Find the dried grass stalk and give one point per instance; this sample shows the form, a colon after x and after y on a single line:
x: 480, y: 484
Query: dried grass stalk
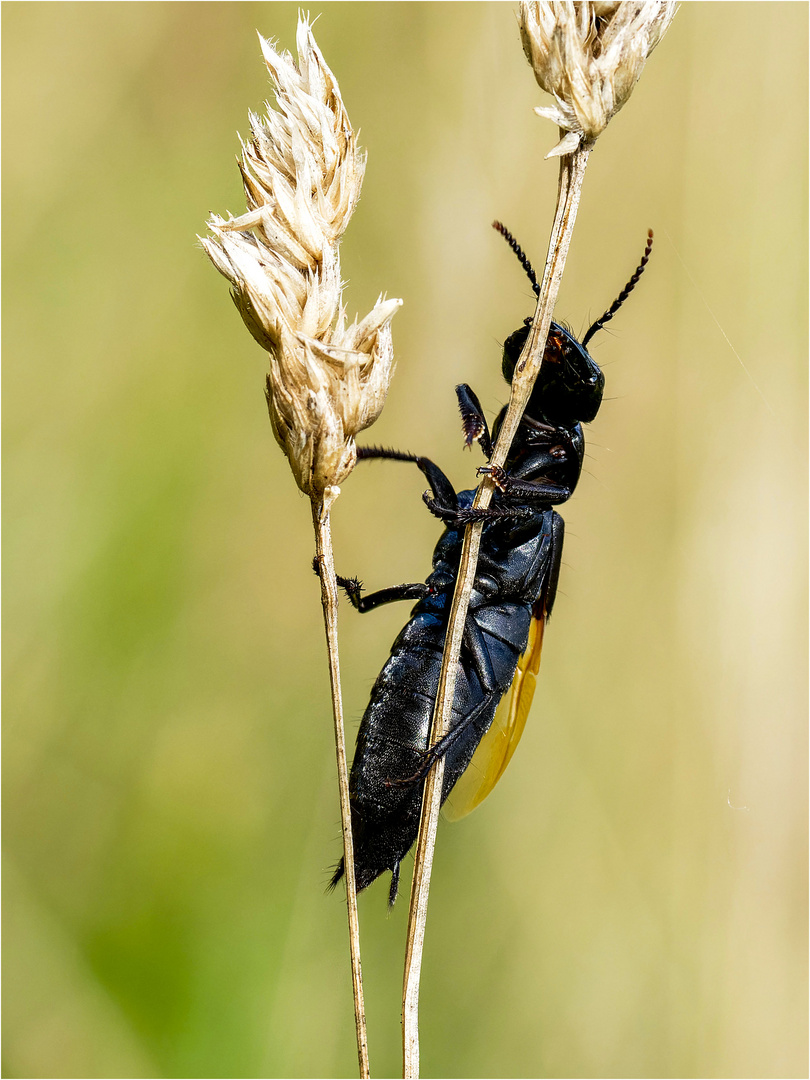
x: 589, y: 55
x: 302, y: 171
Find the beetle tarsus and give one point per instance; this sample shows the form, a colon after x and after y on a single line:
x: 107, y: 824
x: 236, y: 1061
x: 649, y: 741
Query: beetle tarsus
x: 393, y: 889
x: 473, y: 422
x: 336, y: 876
x: 353, y: 588
x: 497, y: 475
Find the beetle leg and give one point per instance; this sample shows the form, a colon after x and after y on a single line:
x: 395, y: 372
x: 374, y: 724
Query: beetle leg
x: 456, y: 518
x: 443, y: 490
x: 545, y: 601
x: 542, y: 433
x: 473, y: 421
x: 394, y: 887
x: 475, y: 645
x: 353, y: 588
x: 473, y: 641
x: 392, y: 890
x: 528, y: 491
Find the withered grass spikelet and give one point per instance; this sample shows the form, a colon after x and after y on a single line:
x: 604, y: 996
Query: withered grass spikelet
x: 589, y: 56
x: 302, y: 172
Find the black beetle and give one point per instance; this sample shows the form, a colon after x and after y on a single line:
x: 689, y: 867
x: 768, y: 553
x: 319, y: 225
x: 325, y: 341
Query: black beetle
x: 512, y: 597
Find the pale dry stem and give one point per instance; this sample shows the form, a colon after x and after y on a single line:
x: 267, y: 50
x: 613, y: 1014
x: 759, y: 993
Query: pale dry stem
x: 302, y: 171
x: 572, y: 170
x: 329, y: 600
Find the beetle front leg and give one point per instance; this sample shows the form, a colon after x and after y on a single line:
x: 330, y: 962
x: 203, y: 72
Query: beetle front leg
x: 473, y: 421
x: 418, y: 590
x: 541, y: 492
x: 458, y: 518
x: 443, y: 490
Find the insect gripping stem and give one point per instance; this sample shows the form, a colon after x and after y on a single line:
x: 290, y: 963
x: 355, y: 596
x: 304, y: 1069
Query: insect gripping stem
x: 572, y: 170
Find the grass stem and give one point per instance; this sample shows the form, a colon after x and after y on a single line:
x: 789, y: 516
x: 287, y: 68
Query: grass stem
x: 572, y: 171
x: 329, y: 599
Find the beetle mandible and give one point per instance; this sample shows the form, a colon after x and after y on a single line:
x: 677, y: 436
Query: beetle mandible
x: 511, y: 601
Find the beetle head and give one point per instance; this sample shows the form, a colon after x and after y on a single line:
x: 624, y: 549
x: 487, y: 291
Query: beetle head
x: 570, y: 384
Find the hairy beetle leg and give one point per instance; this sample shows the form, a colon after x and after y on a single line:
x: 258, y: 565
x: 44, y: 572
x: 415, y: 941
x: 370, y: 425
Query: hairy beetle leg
x: 353, y: 588
x: 466, y: 516
x: 473, y: 421
x: 441, y: 487
x: 394, y: 886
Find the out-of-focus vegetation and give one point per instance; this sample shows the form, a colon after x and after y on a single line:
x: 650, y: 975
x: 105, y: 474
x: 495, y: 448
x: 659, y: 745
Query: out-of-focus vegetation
x: 631, y: 901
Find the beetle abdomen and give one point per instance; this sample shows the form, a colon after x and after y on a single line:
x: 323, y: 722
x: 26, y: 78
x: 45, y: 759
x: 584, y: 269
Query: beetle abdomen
x: 395, y: 729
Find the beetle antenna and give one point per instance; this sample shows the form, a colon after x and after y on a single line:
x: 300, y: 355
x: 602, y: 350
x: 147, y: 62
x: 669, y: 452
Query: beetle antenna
x: 518, y: 250
x: 620, y: 299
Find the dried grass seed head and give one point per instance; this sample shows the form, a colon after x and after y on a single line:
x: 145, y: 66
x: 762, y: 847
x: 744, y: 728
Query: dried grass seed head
x: 589, y: 56
x: 302, y: 171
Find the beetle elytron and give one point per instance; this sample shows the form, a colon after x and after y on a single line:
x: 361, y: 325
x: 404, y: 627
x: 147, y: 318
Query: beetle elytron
x: 512, y: 597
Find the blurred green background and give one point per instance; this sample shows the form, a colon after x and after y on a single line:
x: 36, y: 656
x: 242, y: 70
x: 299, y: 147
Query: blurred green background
x: 631, y: 901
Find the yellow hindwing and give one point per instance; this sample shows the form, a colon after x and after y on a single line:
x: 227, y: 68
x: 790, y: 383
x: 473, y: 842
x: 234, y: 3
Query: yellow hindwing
x: 496, y: 748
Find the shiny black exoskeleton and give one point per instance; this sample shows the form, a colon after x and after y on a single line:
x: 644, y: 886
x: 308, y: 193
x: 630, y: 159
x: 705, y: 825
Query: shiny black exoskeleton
x: 515, y: 582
